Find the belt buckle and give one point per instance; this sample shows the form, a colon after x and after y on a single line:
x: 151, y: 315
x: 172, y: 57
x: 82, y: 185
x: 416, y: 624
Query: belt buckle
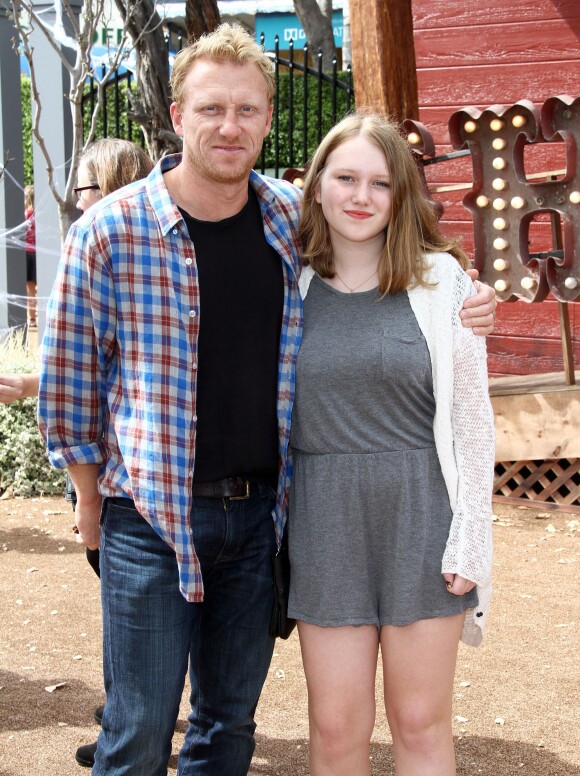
x: 245, y: 496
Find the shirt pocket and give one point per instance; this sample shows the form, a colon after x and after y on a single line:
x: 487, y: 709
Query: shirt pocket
x: 405, y: 359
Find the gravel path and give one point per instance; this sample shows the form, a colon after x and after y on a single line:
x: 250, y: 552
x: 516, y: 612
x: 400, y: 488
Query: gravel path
x: 517, y: 698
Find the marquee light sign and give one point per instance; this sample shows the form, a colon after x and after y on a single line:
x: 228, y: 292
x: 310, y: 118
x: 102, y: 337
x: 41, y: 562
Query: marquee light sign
x: 503, y: 202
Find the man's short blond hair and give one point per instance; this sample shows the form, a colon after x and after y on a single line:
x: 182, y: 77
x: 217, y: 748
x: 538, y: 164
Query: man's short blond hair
x: 228, y: 43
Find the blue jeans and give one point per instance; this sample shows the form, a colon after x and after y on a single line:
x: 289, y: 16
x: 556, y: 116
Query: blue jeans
x: 150, y: 633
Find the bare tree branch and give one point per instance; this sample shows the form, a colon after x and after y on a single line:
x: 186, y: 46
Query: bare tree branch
x: 114, y: 63
x: 7, y: 159
x: 143, y: 26
x: 21, y: 5
x: 26, y: 20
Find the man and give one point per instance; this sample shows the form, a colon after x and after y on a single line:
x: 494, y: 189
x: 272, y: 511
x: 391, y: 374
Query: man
x: 182, y: 473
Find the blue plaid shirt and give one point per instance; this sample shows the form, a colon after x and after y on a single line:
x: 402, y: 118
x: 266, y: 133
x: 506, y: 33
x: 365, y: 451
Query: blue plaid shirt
x: 119, y: 356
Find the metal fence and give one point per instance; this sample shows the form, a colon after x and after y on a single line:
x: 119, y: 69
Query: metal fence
x: 114, y: 118
x: 308, y: 103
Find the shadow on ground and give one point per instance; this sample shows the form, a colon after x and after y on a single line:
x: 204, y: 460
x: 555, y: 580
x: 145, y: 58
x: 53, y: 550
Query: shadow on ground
x: 476, y: 756
x: 493, y: 757
x: 28, y: 540
x: 25, y: 704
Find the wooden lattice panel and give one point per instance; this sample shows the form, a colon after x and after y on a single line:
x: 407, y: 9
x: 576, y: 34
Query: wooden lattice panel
x: 552, y: 484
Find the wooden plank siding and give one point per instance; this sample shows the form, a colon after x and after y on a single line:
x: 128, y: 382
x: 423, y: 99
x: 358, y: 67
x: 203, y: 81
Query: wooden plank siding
x: 495, y: 82
x: 513, y: 43
x: 446, y: 14
x: 479, y: 54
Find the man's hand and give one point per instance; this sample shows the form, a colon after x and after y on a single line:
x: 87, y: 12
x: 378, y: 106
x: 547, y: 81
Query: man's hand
x: 479, y: 310
x: 87, y: 519
x: 88, y: 509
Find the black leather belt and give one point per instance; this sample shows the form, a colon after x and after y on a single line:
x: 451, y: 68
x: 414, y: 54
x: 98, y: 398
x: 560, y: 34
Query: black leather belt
x: 235, y: 488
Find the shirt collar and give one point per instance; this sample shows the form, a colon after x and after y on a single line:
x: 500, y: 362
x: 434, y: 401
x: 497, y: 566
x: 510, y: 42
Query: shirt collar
x: 262, y: 188
x: 165, y: 208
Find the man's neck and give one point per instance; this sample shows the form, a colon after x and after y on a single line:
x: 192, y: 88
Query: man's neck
x: 204, y: 199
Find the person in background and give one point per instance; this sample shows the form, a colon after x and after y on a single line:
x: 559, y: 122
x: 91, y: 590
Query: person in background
x: 105, y: 166
x: 392, y: 440
x: 172, y: 413
x: 30, y: 255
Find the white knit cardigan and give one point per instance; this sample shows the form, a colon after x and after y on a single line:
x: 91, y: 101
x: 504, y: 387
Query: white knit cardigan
x: 463, y: 426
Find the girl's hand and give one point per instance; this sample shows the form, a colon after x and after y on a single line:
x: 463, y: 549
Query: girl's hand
x: 457, y: 585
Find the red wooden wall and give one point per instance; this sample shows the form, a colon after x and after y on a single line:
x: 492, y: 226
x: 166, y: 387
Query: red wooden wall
x: 473, y: 52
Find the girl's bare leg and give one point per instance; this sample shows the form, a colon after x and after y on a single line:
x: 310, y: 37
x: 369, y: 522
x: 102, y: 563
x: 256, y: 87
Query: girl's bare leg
x: 340, y: 666
x: 419, y: 667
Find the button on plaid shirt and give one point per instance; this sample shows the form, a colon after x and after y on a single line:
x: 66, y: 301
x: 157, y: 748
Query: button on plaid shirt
x: 119, y: 355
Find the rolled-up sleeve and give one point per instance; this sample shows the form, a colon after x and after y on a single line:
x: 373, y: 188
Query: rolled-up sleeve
x: 74, y: 354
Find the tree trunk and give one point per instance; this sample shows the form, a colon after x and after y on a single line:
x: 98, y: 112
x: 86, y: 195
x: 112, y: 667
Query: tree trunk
x: 318, y: 29
x: 383, y: 57
x: 151, y: 110
x: 200, y: 16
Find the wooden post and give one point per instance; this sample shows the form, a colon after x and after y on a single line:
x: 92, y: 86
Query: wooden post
x: 563, y: 312
x: 383, y: 57
x: 567, y: 346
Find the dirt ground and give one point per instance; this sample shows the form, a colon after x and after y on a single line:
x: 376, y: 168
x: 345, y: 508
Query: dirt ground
x: 517, y: 698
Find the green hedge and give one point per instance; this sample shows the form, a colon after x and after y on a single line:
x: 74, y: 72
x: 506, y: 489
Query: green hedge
x: 113, y: 95
x: 314, y: 129
x: 27, y: 130
x: 24, y: 466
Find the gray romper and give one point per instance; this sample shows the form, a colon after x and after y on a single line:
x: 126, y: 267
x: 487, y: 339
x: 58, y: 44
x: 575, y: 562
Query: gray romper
x: 369, y: 510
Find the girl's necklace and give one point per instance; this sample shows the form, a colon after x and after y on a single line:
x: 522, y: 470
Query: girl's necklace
x: 352, y: 290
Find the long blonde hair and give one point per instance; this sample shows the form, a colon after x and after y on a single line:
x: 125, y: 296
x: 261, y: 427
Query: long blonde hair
x: 413, y: 229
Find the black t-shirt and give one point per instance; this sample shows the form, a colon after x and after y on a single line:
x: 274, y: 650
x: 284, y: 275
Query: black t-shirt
x: 241, y: 305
